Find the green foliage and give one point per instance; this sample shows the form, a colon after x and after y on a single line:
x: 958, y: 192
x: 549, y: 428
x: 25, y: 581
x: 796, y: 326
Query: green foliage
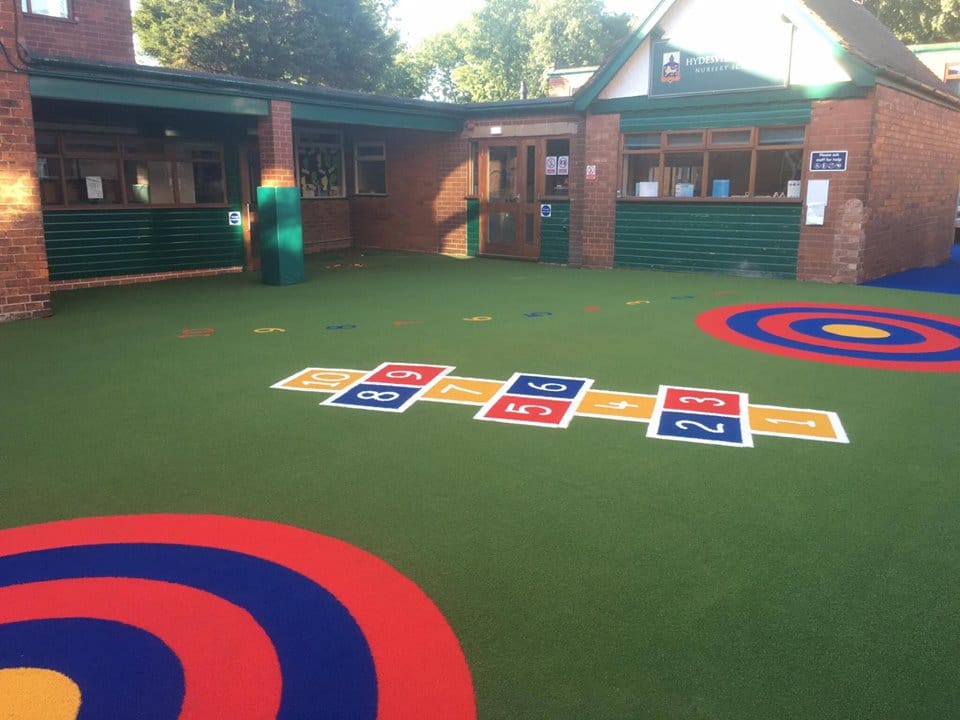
x: 510, y: 43
x: 346, y: 44
x: 919, y: 21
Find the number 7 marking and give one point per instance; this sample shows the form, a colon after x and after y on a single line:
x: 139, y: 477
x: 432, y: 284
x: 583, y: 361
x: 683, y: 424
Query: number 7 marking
x: 451, y: 387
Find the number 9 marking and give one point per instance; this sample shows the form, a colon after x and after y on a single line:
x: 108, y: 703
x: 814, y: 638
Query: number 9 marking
x: 404, y: 375
x: 549, y: 387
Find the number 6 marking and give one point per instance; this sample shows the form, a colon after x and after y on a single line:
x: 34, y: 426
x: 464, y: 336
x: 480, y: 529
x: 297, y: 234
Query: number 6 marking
x: 687, y: 424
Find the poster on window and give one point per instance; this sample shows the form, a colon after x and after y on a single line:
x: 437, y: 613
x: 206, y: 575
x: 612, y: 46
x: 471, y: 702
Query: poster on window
x: 94, y: 187
x: 563, y: 165
x: 551, y: 165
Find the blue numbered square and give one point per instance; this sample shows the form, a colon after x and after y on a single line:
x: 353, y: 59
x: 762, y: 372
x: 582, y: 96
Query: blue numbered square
x: 547, y: 386
x: 693, y: 427
x: 370, y: 396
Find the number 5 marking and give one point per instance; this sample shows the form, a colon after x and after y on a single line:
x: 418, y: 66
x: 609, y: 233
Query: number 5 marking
x: 687, y: 424
x: 528, y: 409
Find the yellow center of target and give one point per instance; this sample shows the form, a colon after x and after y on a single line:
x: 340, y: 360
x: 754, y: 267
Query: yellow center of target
x: 36, y: 694
x: 856, y: 331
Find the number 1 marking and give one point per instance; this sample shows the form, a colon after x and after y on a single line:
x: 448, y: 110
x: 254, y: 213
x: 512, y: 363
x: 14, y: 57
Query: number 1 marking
x: 805, y: 423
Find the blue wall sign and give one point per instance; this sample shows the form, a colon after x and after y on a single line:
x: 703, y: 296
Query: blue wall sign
x: 234, y: 218
x: 828, y: 161
x: 546, y: 211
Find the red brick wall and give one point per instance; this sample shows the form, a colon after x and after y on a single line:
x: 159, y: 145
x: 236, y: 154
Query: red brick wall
x: 913, y: 188
x: 833, y: 252
x: 277, y: 167
x: 326, y: 224
x: 600, y: 195
x: 98, y: 30
x: 24, y: 280
x: 450, y: 205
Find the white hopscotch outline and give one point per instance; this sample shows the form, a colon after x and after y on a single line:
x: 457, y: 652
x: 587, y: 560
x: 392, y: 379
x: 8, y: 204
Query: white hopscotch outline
x: 746, y: 433
x: 567, y: 416
x: 447, y: 369
x: 452, y: 379
x: 839, y: 431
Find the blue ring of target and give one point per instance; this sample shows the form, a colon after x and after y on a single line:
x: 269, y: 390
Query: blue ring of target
x: 747, y: 323
x: 898, y: 336
x: 324, y: 658
x: 122, y: 671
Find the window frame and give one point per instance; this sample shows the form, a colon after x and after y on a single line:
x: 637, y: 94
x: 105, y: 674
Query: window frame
x: 26, y: 8
x: 357, y: 160
x: 709, y: 145
x: 120, y: 156
x: 299, y: 140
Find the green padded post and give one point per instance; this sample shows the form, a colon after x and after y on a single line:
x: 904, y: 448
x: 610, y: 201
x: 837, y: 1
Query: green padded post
x: 281, y: 235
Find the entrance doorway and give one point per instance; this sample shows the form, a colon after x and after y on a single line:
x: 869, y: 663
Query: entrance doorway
x: 250, y: 180
x: 509, y: 212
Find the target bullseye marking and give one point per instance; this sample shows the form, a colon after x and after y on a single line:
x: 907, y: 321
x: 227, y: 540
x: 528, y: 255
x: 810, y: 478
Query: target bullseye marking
x: 313, y: 622
x: 842, y: 334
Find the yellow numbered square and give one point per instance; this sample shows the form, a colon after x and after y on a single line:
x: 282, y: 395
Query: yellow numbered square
x: 463, y: 391
x: 324, y: 380
x: 617, y: 406
x: 796, y: 423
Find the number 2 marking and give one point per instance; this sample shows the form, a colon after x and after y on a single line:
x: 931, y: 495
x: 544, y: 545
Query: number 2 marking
x: 687, y: 424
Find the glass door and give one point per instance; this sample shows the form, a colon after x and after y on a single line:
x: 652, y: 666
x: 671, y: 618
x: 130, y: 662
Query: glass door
x: 509, y: 215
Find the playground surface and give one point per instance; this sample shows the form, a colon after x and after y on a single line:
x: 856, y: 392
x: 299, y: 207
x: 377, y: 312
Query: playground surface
x: 506, y: 489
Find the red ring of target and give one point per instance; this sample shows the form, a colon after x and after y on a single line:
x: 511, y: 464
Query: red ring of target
x: 733, y: 324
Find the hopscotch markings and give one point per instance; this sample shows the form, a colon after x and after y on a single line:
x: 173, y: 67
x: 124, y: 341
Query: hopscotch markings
x: 391, y: 387
x: 716, y: 417
x: 479, y: 318
x: 710, y: 417
x: 463, y: 391
x: 195, y: 332
x: 269, y: 330
x: 608, y: 405
x: 797, y: 423
x: 540, y: 400
x: 325, y: 380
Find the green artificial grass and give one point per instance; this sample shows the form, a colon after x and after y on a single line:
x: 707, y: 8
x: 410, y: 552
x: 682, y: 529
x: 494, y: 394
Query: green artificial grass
x: 588, y: 572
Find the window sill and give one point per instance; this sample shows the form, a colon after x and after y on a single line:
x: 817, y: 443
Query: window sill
x: 132, y: 206
x: 325, y: 197
x: 41, y: 16
x: 370, y: 195
x: 739, y: 200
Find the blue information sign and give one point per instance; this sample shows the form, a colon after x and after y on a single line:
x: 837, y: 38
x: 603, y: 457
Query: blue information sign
x: 828, y: 161
x: 546, y: 211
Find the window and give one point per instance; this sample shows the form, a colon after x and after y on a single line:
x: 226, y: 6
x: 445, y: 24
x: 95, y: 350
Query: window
x: 557, y: 168
x: 320, y: 164
x: 734, y: 162
x: 371, y: 168
x: 83, y: 169
x: 951, y: 76
x: 50, y: 8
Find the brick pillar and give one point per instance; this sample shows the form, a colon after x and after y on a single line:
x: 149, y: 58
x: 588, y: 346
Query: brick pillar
x: 277, y: 168
x: 24, y: 279
x: 834, y: 252
x: 600, y: 195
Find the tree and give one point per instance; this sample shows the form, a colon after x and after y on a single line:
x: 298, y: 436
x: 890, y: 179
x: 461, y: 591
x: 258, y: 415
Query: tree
x: 346, y: 44
x: 919, y: 21
x: 510, y: 43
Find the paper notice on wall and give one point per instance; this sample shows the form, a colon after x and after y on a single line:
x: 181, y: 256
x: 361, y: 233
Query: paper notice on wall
x: 591, y: 172
x: 815, y: 214
x: 817, y: 194
x: 551, y: 165
x: 94, y: 187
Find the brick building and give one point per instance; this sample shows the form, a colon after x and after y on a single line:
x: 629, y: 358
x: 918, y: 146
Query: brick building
x: 703, y: 144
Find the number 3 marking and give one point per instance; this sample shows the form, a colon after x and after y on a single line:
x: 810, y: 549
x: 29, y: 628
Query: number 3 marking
x: 687, y: 424
x: 716, y: 402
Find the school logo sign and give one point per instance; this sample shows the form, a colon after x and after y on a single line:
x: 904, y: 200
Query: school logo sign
x: 677, y: 70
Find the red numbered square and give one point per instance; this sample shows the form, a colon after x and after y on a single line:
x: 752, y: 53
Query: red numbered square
x: 408, y: 375
x: 529, y: 411
x: 713, y: 402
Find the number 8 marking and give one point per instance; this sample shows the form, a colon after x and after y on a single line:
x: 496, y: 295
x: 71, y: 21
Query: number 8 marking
x: 383, y: 397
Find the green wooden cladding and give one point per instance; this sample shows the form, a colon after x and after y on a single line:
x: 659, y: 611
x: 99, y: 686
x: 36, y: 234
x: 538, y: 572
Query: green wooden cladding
x: 757, y: 239
x: 696, y: 118
x: 99, y: 243
x: 473, y: 227
x: 555, y: 234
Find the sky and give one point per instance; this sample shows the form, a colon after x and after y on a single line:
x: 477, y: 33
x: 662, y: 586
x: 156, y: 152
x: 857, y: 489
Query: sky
x: 418, y: 19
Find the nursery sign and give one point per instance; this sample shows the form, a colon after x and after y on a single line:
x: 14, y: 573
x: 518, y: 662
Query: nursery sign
x: 676, y: 70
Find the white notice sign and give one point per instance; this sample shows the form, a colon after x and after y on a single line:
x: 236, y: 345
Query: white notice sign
x: 551, y: 165
x: 563, y: 165
x: 94, y: 187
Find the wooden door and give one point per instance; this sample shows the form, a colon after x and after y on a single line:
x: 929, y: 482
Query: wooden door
x: 509, y: 213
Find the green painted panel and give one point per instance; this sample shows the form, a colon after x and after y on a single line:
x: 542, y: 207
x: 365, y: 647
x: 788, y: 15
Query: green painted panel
x: 473, y: 227
x: 99, y: 243
x: 133, y: 94
x: 378, y: 117
x: 732, y: 238
x: 281, y: 235
x: 694, y: 118
x: 555, y: 234
x: 701, y: 103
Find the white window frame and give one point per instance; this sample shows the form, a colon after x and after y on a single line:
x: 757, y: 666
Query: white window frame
x: 380, y: 158
x: 26, y: 7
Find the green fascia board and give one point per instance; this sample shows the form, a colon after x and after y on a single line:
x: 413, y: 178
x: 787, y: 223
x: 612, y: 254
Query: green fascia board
x: 520, y: 108
x: 60, y: 88
x: 385, y: 117
x: 703, y: 102
x: 689, y: 118
x: 588, y: 94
